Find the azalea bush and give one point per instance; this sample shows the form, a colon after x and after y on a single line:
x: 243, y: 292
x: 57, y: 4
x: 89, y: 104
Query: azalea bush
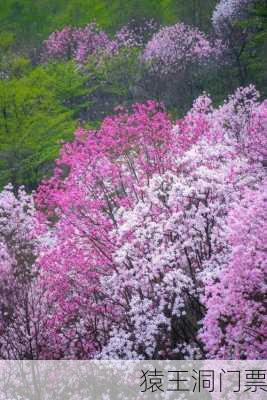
x: 81, y: 43
x: 142, y: 213
x: 235, y: 323
x: 147, y: 242
x: 75, y: 43
x: 173, y: 47
x: 147, y: 237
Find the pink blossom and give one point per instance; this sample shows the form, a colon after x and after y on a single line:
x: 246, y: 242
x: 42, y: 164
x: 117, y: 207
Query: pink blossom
x: 173, y: 47
x: 235, y: 326
x: 140, y: 224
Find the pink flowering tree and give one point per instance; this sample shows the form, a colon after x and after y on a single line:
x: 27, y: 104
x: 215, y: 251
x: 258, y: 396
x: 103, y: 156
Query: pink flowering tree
x: 173, y: 243
x: 244, y: 119
x: 172, y: 48
x: 176, y: 57
x: 80, y: 43
x: 113, y: 163
x: 139, y: 212
x: 77, y: 43
x: 133, y: 35
x: 235, y: 326
x: 168, y: 246
x: 145, y: 230
x: 59, y: 44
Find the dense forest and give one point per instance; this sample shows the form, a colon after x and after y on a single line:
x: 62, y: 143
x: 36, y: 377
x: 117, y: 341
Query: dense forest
x: 133, y: 159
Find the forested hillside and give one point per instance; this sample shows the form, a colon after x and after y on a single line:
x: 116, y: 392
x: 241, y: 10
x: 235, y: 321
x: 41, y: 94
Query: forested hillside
x: 32, y: 21
x: 43, y: 98
x: 133, y: 153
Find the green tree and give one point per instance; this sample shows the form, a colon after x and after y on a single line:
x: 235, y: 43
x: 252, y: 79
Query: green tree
x: 192, y: 12
x: 31, y: 21
x: 36, y: 112
x: 112, y: 82
x: 254, y: 56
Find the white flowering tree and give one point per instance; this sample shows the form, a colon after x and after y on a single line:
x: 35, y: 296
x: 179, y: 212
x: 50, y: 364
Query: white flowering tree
x: 22, y: 315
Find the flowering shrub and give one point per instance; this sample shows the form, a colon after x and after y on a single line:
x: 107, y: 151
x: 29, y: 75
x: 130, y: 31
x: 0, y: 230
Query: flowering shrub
x: 140, y: 227
x: 148, y: 241
x: 168, y: 245
x: 235, y: 323
x: 112, y: 167
x: 132, y: 35
x: 76, y: 43
x: 147, y: 231
x: 173, y: 47
x: 80, y: 43
x: 173, y: 243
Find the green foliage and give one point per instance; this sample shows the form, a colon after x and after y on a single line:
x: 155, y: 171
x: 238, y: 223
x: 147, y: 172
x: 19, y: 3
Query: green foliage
x: 11, y: 63
x: 192, y: 12
x: 255, y: 54
x: 36, y: 112
x: 26, y: 19
x: 112, y: 82
x: 31, y: 21
x: 67, y: 83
